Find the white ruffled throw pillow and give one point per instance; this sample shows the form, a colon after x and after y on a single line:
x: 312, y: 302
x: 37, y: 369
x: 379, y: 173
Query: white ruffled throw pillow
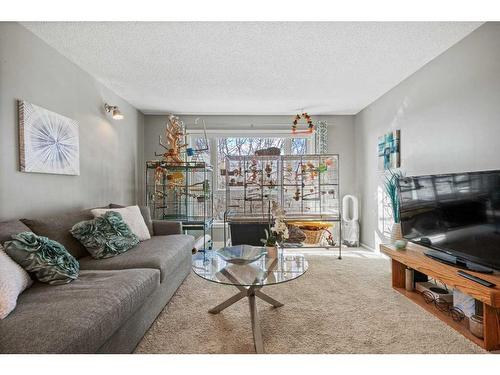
x: 13, y: 281
x: 132, y: 217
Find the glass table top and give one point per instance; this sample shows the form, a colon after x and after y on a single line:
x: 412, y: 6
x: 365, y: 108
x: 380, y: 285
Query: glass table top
x: 264, y: 271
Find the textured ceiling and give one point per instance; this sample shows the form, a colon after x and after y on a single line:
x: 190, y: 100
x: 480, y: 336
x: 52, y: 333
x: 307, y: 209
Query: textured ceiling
x: 252, y: 67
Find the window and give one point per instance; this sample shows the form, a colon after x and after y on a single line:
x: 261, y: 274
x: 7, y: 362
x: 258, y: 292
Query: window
x: 232, y: 146
x: 298, y: 146
x: 220, y: 147
x: 245, y: 146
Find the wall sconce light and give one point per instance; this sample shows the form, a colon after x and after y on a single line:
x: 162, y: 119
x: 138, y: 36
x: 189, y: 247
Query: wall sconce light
x: 114, y: 110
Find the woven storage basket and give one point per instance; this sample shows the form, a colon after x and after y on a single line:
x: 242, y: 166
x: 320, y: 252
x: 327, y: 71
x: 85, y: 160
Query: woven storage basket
x: 313, y: 236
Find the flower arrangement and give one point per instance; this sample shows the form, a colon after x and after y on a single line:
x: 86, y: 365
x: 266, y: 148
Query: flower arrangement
x: 391, y: 189
x: 278, y: 232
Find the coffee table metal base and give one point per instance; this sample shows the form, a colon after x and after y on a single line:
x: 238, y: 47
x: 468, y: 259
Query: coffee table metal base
x: 249, y: 292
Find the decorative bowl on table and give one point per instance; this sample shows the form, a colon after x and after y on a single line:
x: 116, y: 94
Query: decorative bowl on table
x: 241, y: 254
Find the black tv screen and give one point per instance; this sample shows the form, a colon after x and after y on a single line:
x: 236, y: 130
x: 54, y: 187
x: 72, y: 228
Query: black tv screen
x: 455, y: 213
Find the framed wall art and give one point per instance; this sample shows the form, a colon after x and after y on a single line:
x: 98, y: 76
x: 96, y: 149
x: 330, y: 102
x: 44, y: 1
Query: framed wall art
x: 48, y: 142
x: 389, y: 150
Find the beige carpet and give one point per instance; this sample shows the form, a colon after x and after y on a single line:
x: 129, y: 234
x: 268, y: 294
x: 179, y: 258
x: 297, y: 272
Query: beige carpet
x: 338, y: 306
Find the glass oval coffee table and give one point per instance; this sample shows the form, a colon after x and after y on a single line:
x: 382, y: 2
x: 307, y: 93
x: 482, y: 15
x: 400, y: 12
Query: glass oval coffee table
x: 250, y: 279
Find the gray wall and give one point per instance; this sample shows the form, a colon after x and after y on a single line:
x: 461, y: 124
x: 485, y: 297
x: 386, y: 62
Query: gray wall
x: 449, y: 116
x: 110, y: 151
x: 340, y: 135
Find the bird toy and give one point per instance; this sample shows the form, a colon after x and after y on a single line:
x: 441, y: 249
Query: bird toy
x: 196, y: 152
x: 310, y: 125
x: 174, y: 133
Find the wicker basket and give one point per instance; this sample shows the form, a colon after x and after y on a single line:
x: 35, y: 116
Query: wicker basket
x: 313, y: 236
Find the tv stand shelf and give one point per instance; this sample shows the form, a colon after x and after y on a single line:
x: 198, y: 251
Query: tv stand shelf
x: 413, y: 257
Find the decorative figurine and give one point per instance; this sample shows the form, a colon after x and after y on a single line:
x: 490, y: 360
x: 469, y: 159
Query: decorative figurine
x: 400, y: 244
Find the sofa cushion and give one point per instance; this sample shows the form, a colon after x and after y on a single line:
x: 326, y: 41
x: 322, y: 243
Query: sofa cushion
x: 8, y: 228
x: 57, y: 227
x: 165, y: 228
x: 77, y: 317
x: 163, y: 253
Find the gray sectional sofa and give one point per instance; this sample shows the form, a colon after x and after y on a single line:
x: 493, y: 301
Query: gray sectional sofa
x: 112, y: 303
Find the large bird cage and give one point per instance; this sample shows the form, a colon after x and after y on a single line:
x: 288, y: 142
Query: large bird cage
x: 311, y: 186
x: 181, y: 192
x: 252, y: 183
x: 305, y: 186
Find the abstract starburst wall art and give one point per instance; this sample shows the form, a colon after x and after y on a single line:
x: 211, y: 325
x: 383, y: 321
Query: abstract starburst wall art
x: 48, y: 141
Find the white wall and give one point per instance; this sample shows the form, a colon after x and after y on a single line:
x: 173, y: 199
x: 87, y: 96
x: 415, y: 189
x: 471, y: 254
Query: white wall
x: 341, y: 141
x: 110, y: 151
x: 449, y: 116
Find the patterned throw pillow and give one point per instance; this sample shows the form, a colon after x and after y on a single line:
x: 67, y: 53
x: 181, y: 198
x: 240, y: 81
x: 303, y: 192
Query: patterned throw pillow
x: 105, y: 236
x: 132, y: 217
x: 48, y: 260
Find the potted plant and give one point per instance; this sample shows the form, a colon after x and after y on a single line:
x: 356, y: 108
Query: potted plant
x: 391, y: 189
x: 277, y: 233
x: 271, y: 244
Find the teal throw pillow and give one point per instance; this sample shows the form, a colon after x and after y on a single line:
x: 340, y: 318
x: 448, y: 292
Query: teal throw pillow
x: 48, y: 260
x: 105, y: 236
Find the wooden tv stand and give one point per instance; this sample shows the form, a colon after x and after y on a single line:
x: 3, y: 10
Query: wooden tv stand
x: 413, y: 257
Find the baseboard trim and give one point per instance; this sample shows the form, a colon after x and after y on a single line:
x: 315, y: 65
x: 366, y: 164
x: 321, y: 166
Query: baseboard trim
x: 363, y: 245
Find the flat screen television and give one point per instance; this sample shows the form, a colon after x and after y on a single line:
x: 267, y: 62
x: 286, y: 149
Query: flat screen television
x: 458, y: 215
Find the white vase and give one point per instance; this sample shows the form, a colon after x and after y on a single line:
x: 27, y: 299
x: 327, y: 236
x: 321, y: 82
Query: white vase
x: 272, y: 251
x: 396, y: 233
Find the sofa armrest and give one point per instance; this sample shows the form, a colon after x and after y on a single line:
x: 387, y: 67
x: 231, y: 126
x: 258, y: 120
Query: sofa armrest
x: 164, y: 228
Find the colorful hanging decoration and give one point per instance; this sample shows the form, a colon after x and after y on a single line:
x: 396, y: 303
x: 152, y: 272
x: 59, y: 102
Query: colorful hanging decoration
x: 310, y: 125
